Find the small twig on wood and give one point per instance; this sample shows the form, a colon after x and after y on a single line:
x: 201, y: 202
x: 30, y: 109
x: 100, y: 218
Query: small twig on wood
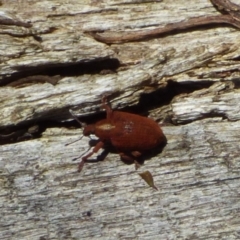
x: 232, y: 18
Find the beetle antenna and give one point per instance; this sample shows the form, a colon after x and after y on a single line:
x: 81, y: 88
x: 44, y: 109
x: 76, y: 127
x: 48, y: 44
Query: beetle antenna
x: 75, y: 118
x: 81, y: 123
x: 74, y: 141
x: 74, y: 159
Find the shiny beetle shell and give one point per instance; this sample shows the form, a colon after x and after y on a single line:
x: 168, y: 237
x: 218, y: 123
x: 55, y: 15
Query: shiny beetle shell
x: 130, y: 134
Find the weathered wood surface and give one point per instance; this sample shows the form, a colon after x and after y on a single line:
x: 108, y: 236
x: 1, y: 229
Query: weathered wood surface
x: 192, y: 80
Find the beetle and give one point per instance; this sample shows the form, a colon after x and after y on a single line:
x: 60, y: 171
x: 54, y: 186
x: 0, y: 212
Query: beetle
x: 131, y: 135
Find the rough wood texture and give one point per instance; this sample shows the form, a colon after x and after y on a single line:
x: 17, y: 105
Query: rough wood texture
x: 187, y: 80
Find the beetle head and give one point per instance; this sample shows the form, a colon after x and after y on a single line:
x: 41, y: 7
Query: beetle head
x: 89, y: 129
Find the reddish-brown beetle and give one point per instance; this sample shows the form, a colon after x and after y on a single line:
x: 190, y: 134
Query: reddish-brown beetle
x: 130, y: 134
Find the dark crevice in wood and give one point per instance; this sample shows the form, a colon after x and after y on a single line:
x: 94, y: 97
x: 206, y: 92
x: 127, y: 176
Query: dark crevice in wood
x: 30, y: 130
x: 209, y: 115
x: 23, y: 82
x: 137, y: 2
x: 236, y: 82
x: 100, y: 66
x: 236, y: 58
x: 164, y: 96
x: 14, y: 22
x: 214, y: 114
x: 19, y: 133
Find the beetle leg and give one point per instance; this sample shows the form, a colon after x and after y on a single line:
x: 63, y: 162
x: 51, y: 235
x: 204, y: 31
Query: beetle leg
x: 128, y: 158
x: 95, y: 150
x: 107, y: 107
x: 136, y: 153
x: 137, y: 165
